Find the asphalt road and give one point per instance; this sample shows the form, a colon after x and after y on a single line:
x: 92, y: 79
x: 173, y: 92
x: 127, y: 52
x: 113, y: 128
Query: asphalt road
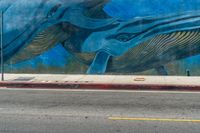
x: 58, y: 111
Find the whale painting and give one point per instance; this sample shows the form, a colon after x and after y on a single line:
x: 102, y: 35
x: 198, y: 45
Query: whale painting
x: 23, y: 27
x: 158, y: 41
x: 103, y: 36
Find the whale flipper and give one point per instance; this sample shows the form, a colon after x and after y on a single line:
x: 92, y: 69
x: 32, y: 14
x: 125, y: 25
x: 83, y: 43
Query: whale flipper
x: 99, y: 63
x: 161, y: 70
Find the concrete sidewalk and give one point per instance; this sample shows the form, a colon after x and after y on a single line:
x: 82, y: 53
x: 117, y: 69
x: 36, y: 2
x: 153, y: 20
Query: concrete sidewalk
x: 115, y: 82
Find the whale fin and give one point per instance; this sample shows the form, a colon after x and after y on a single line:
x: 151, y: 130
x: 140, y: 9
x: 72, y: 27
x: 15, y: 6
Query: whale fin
x: 94, y: 9
x: 89, y: 15
x: 161, y: 70
x: 99, y: 64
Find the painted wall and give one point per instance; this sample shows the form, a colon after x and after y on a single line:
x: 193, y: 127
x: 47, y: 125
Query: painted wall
x: 156, y: 37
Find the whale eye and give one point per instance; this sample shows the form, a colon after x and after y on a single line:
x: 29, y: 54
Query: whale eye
x: 123, y: 37
x: 53, y: 10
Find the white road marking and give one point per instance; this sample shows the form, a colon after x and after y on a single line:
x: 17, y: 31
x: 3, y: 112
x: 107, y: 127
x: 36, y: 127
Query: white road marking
x: 89, y: 90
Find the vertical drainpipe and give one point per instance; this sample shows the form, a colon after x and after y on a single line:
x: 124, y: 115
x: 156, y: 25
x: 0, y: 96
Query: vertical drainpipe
x: 2, y: 60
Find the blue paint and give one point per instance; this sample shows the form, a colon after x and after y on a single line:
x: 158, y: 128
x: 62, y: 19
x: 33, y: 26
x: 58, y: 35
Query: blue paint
x: 127, y: 9
x: 193, y: 61
x: 55, y: 57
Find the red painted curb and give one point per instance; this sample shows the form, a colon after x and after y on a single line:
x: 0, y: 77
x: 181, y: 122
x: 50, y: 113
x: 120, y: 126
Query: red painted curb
x: 99, y: 86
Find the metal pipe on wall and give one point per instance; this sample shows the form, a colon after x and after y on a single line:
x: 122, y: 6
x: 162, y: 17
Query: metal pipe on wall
x: 2, y: 60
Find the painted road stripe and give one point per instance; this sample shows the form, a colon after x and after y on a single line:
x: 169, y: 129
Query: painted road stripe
x: 89, y: 90
x: 154, y: 119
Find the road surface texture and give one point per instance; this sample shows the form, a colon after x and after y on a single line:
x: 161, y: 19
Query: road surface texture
x: 81, y: 111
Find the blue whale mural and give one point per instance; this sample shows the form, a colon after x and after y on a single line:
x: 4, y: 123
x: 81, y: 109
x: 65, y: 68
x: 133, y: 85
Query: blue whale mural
x: 24, y: 20
x: 134, y: 33
x: 107, y: 36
